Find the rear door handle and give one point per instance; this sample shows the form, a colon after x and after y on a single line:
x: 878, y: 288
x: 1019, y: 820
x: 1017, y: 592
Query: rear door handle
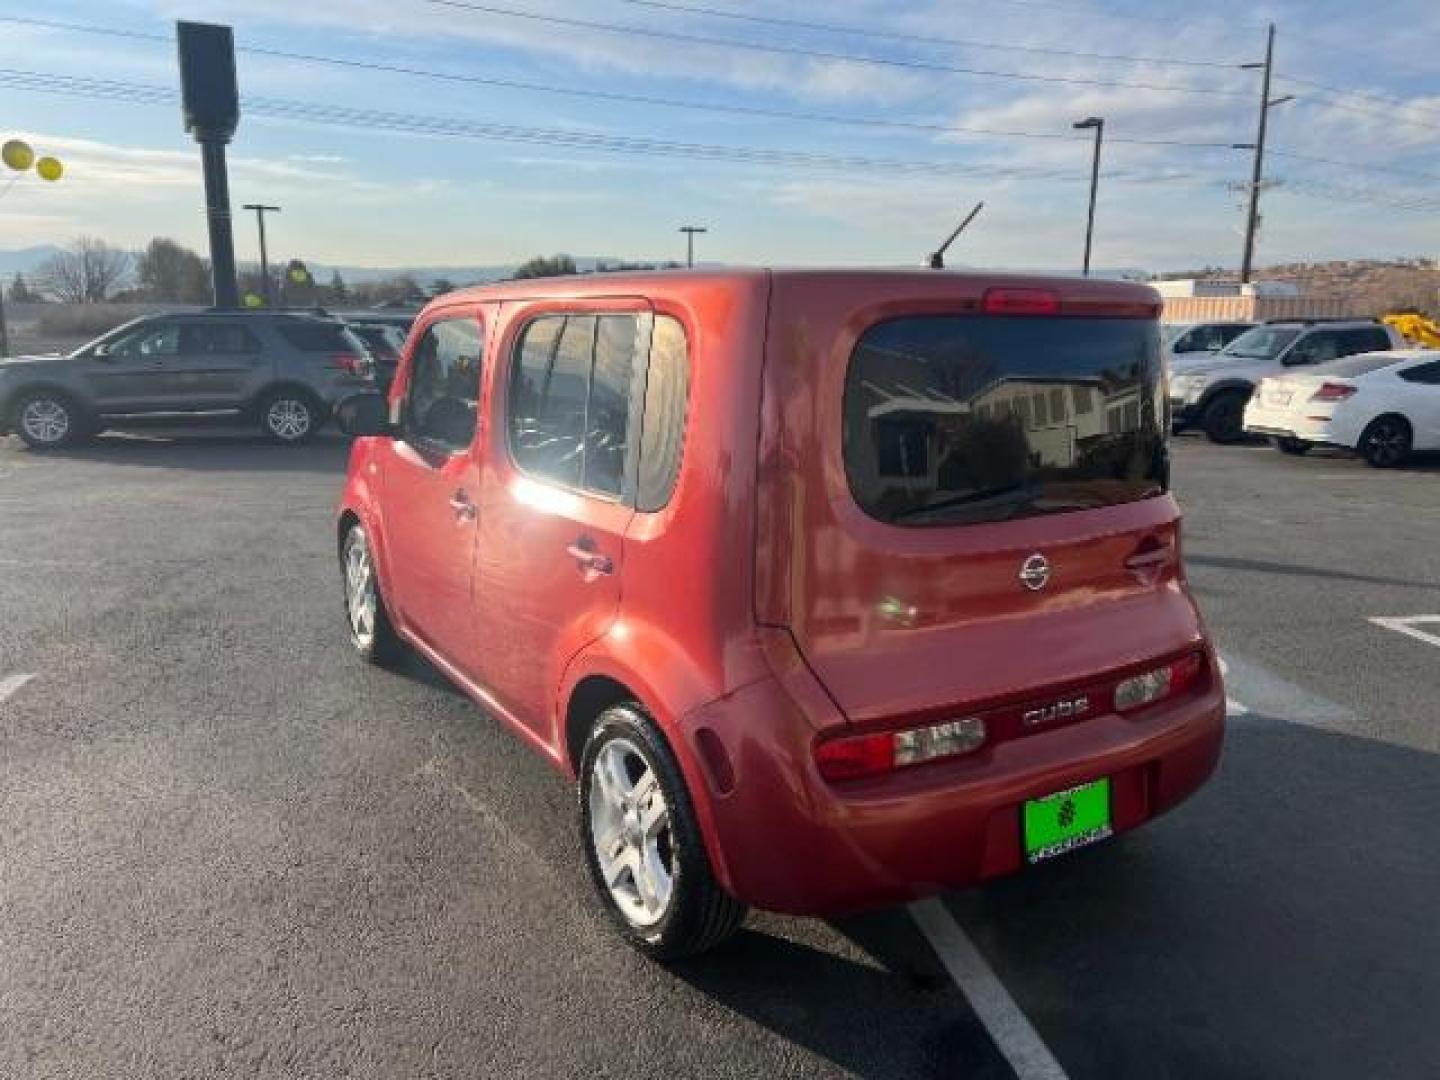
x: 587, y: 558
x: 463, y: 507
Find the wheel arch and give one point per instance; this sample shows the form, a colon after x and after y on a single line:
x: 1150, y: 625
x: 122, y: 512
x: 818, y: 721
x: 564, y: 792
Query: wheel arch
x: 49, y: 386
x: 1226, y: 386
x: 593, y: 682
x: 293, y: 386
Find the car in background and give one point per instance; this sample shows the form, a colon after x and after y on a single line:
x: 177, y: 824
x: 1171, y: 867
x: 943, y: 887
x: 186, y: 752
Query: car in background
x: 281, y: 370
x: 385, y: 344
x: 1211, y: 391
x: 1384, y: 406
x: 1189, y: 339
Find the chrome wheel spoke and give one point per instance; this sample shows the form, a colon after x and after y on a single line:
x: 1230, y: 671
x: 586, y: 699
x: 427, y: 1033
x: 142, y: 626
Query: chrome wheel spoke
x: 630, y: 832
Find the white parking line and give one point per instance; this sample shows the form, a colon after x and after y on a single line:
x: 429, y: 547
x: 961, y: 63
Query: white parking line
x: 1232, y: 707
x: 1408, y: 625
x: 9, y: 686
x: 1016, y: 1039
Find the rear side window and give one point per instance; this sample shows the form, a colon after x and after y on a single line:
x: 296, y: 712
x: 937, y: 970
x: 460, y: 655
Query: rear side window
x: 570, y: 400
x: 1368, y: 339
x: 1425, y: 374
x: 667, y: 387
x: 964, y: 419
x: 217, y: 339
x: 317, y: 336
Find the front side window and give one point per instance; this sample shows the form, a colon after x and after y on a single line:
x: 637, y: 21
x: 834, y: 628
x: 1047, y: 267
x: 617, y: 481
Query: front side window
x: 967, y: 419
x: 570, y: 400
x: 443, y: 394
x: 151, y: 340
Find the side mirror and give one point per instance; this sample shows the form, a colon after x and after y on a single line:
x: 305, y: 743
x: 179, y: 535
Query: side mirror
x: 364, y: 414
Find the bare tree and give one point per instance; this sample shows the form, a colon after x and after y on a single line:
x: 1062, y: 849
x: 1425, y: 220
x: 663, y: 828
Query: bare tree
x: 86, y: 272
x: 167, y: 271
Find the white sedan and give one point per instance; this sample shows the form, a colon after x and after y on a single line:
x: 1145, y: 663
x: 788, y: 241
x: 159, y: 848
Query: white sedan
x: 1382, y: 405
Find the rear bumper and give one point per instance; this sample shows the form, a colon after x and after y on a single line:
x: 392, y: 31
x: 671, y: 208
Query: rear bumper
x: 786, y: 840
x: 1286, y: 424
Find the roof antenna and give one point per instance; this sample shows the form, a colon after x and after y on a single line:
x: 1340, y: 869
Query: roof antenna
x: 937, y: 260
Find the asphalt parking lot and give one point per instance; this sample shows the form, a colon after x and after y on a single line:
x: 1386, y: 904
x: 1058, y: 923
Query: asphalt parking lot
x: 227, y: 848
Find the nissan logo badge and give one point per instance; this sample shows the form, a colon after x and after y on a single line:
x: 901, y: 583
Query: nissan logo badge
x: 1035, y: 572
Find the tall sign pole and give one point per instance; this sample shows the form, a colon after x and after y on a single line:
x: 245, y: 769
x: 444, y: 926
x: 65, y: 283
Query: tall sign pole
x: 211, y: 102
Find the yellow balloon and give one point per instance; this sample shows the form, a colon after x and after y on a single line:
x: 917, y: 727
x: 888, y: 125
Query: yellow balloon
x: 17, y: 155
x: 253, y: 301
x: 50, y: 169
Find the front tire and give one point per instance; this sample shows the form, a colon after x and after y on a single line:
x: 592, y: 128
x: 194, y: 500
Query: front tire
x: 289, y: 417
x: 371, y: 632
x: 643, y: 844
x: 1224, y: 418
x: 1386, y: 442
x: 47, y: 420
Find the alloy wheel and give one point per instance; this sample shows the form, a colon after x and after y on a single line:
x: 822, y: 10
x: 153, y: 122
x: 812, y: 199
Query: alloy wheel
x: 631, y: 832
x: 45, y: 420
x: 360, y: 598
x: 288, y: 419
x: 1386, y: 444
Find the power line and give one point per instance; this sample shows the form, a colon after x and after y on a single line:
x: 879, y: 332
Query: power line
x: 611, y: 95
x: 429, y: 125
x: 1340, y: 91
x: 1394, y: 170
x: 914, y: 39
x: 824, y: 54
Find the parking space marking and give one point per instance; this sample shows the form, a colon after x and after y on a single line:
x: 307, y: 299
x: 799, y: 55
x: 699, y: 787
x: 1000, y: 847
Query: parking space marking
x: 9, y: 686
x: 1012, y: 1032
x: 1232, y: 707
x: 1409, y: 626
x: 1269, y: 695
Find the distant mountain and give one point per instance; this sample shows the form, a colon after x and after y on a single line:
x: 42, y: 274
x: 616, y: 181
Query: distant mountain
x: 28, y: 260
x: 25, y: 260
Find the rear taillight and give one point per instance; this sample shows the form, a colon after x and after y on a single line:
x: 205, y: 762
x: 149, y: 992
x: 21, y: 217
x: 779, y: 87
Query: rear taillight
x: 1152, y: 686
x: 1010, y: 301
x: 856, y: 756
x: 350, y: 363
x: 1333, y: 391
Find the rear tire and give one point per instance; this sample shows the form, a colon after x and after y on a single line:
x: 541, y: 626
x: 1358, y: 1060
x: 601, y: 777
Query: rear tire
x: 289, y: 416
x: 371, y: 632
x: 1386, y: 442
x: 643, y: 844
x: 1297, y: 447
x: 49, y: 420
x: 1224, y: 417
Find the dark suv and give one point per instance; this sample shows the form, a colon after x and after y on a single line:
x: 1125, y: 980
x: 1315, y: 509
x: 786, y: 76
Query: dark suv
x: 282, y: 370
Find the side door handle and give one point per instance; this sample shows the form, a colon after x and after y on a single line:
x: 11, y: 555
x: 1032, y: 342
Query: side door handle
x: 463, y: 507
x: 588, y: 559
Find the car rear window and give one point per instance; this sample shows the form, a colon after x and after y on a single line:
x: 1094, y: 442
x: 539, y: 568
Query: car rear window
x: 1351, y: 366
x: 966, y: 419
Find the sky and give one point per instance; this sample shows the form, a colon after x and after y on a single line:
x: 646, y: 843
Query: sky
x: 521, y: 127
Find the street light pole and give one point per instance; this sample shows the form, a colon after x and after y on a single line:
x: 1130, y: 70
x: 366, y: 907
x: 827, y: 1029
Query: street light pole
x: 1098, y: 124
x: 1252, y: 220
x: 690, y: 231
x: 260, y: 211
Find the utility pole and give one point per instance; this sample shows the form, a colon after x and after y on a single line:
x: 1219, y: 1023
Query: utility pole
x: 260, y: 211
x: 1098, y: 124
x: 690, y: 231
x: 1252, y: 221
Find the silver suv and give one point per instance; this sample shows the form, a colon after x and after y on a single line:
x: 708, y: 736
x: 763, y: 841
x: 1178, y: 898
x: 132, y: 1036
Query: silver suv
x: 282, y: 370
x: 1210, y: 391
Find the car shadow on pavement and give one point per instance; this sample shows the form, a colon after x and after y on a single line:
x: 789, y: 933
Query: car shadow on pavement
x: 864, y: 993
x: 209, y: 451
x: 1281, y: 924
x: 1263, y: 566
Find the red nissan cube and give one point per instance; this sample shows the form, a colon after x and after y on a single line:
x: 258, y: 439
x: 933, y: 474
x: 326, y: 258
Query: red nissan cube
x: 831, y: 589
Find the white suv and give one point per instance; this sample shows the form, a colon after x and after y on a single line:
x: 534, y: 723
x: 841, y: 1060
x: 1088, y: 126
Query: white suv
x: 1211, y: 391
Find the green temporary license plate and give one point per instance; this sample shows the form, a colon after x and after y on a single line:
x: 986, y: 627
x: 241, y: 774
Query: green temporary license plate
x: 1066, y: 820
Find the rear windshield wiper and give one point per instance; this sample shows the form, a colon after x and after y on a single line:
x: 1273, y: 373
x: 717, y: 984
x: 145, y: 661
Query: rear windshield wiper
x: 969, y: 498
